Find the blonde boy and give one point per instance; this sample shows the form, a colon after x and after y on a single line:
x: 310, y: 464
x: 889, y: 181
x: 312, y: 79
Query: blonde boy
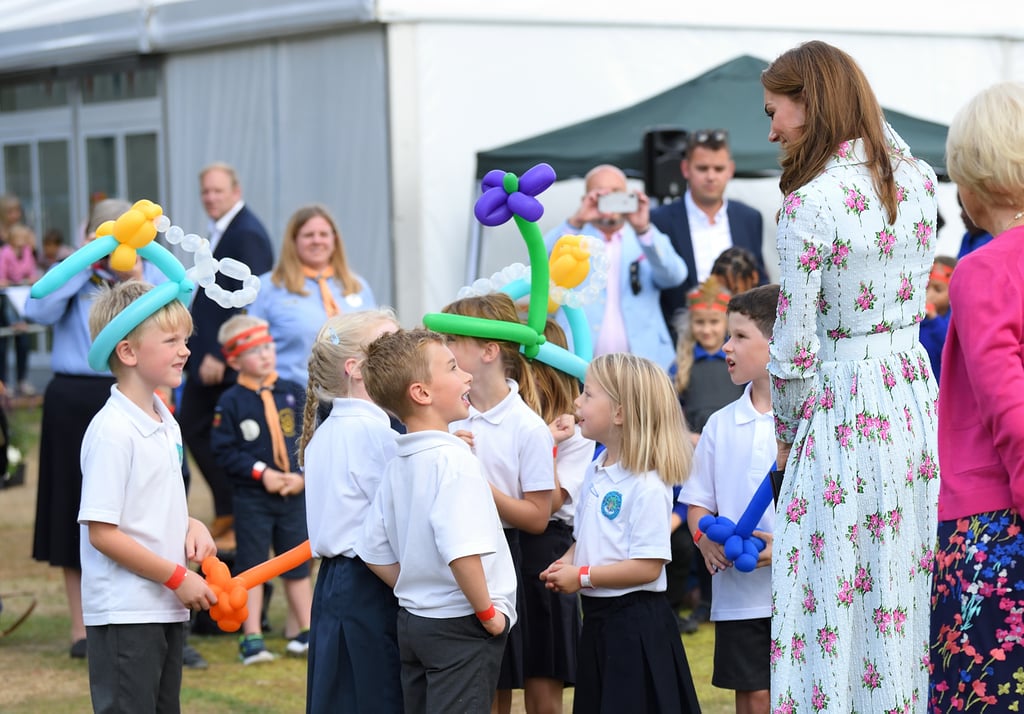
x: 433, y: 532
x: 136, y: 533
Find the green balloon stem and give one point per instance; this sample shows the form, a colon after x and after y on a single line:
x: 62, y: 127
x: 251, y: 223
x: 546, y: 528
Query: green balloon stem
x: 540, y: 274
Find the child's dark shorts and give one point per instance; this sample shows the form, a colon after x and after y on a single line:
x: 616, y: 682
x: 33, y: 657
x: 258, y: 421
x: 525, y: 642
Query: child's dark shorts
x: 742, y: 653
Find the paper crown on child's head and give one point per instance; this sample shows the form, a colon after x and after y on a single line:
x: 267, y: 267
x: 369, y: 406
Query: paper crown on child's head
x: 131, y: 236
x: 709, y: 296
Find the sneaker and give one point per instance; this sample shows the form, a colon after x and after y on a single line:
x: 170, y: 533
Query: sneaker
x: 251, y: 650
x: 298, y: 646
x: 686, y: 625
x: 700, y: 615
x: 191, y: 658
x: 25, y: 389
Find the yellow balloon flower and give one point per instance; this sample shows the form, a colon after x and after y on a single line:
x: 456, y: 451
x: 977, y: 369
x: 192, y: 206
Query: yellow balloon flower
x: 569, y: 264
x: 133, y: 229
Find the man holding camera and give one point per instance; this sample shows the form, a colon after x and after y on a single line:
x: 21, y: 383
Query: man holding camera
x: 702, y: 224
x: 626, y: 317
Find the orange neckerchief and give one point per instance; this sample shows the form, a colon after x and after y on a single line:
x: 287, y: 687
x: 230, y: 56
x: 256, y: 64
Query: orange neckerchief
x: 330, y: 307
x: 266, y: 391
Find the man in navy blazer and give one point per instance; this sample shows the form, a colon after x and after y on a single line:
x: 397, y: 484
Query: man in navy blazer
x: 235, y: 232
x: 703, y: 223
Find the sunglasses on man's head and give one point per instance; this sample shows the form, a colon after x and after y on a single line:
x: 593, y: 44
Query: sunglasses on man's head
x: 712, y: 138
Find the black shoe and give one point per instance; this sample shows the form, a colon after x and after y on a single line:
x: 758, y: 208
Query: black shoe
x: 191, y: 658
x: 701, y: 613
x: 78, y: 649
x: 686, y: 625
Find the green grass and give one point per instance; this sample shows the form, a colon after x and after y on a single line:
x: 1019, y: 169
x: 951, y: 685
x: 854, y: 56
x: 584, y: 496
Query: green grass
x: 39, y: 678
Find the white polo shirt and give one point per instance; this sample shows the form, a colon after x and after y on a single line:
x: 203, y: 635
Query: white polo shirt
x: 622, y: 516
x: 513, y: 444
x: 131, y: 477
x: 572, y: 462
x: 735, y: 451
x: 434, y: 506
x: 344, y: 463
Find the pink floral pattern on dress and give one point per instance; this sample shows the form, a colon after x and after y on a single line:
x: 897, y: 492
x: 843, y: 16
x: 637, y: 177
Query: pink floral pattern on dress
x: 855, y: 201
x: 840, y: 253
x: 811, y: 259
x: 848, y: 375
x: 885, y: 240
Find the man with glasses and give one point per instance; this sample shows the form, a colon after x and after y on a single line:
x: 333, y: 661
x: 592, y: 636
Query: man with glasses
x: 703, y: 223
x: 641, y: 264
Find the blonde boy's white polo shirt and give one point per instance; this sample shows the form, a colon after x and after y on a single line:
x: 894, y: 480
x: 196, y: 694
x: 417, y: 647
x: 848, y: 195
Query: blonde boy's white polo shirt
x: 622, y: 516
x: 513, y: 444
x: 344, y: 463
x: 432, y: 507
x: 735, y: 451
x: 131, y: 477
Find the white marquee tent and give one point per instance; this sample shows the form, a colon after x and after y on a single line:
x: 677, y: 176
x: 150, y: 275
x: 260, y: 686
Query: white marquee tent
x: 378, y: 109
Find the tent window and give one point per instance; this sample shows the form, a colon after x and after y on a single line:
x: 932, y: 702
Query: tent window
x: 42, y: 94
x: 54, y: 187
x: 116, y: 86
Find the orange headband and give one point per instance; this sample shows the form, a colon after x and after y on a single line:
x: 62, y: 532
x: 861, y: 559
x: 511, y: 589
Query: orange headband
x: 246, y: 339
x: 699, y: 301
x: 941, y: 273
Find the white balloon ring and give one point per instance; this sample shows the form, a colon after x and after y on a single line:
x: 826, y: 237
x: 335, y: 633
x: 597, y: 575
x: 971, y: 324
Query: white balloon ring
x: 204, y: 271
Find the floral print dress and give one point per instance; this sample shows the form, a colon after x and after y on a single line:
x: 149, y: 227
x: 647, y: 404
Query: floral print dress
x: 852, y: 391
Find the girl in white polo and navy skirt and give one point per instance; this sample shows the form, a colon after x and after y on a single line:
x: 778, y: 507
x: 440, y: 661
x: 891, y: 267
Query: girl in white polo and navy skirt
x: 353, y: 662
x: 630, y: 656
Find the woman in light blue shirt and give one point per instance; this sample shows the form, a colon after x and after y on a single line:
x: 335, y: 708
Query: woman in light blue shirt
x: 311, y: 282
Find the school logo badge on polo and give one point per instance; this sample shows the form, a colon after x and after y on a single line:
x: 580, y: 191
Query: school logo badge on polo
x: 611, y: 505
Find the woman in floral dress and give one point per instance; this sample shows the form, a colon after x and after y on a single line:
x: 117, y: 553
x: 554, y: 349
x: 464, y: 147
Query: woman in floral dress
x: 853, y: 397
x: 978, y: 596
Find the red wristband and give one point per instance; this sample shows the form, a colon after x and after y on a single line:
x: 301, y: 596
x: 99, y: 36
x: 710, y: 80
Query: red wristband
x: 554, y: 451
x: 485, y: 615
x: 177, y: 577
x: 585, y: 577
x: 697, y: 535
x: 257, y: 470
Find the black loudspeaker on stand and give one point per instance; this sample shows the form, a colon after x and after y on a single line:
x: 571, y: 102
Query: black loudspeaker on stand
x: 664, y: 148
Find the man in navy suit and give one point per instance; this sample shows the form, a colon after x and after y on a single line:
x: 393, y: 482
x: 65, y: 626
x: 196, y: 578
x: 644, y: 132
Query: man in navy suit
x: 235, y: 232
x: 703, y: 223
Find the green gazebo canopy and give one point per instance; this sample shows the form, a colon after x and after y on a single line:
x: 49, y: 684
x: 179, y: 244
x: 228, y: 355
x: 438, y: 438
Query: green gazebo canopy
x: 729, y: 96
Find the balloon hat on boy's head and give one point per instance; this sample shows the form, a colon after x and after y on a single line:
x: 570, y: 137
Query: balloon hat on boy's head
x: 548, y: 284
x: 130, y: 236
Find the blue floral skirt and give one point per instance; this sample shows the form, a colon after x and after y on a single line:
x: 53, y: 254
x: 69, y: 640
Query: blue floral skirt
x: 977, y: 633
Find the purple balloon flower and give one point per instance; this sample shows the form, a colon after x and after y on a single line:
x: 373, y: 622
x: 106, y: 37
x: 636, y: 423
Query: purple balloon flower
x: 505, y: 195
